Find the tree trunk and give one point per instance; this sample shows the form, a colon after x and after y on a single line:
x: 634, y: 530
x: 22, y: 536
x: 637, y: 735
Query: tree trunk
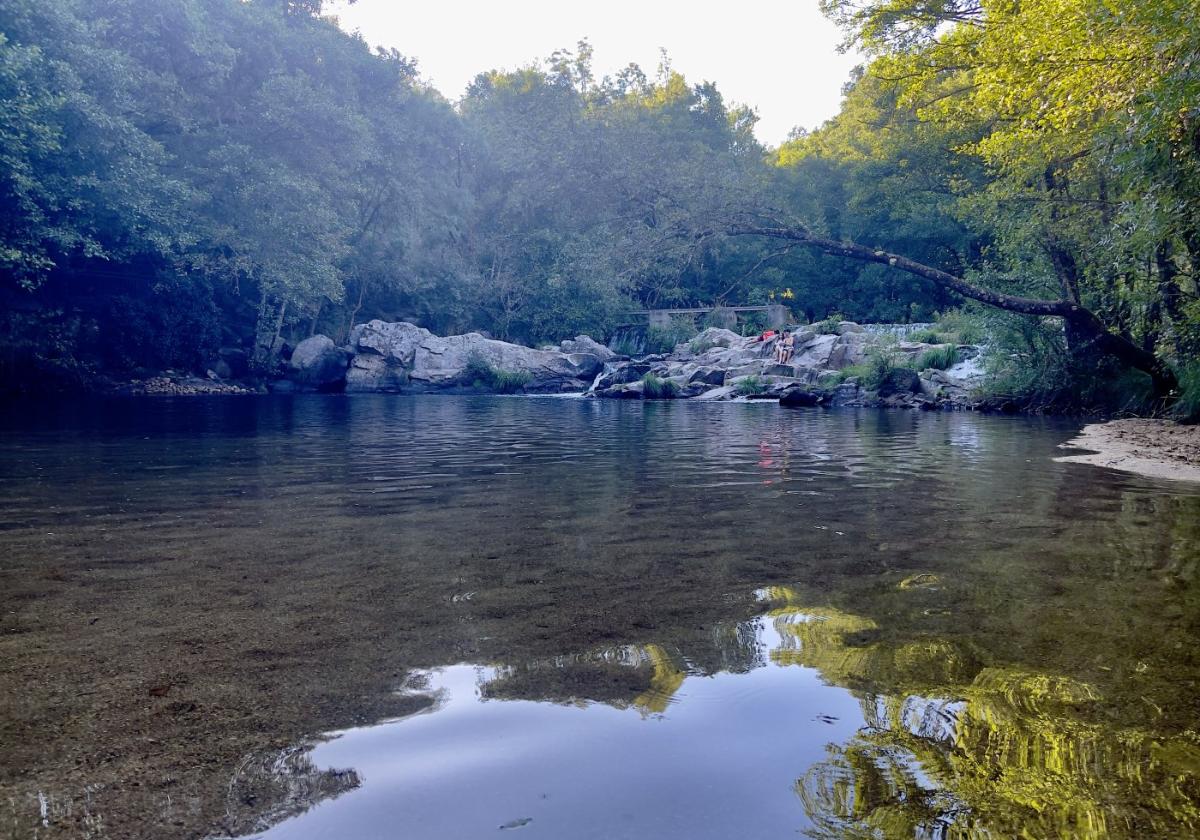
x: 1078, y: 318
x: 270, y: 322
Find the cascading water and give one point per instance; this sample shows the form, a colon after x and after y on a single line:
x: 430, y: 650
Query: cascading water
x: 609, y: 367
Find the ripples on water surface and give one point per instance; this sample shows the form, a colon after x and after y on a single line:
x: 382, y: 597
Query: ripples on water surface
x: 615, y: 620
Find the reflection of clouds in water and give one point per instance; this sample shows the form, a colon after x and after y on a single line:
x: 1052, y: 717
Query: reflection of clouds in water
x: 979, y: 752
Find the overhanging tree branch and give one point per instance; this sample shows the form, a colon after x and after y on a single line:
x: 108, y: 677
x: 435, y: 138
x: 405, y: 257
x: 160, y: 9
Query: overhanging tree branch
x: 1083, y: 320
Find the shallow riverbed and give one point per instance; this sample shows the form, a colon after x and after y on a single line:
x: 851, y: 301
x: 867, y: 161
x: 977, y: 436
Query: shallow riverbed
x: 577, y: 618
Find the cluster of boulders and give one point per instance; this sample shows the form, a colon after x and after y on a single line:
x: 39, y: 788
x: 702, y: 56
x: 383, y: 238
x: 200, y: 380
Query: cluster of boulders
x: 402, y: 357
x: 719, y: 364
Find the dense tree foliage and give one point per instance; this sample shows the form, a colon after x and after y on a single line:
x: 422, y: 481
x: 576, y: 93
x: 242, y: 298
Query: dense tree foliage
x: 181, y: 175
x: 1061, y: 137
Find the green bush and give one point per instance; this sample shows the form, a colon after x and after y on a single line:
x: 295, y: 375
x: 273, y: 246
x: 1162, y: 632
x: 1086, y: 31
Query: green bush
x: 657, y: 388
x: 938, y: 357
x: 626, y: 345
x: 698, y: 345
x: 961, y: 327
x: 1029, y: 364
x: 665, y: 339
x: 749, y: 386
x: 479, y: 374
x: 829, y: 326
x: 752, y: 323
x: 926, y: 337
x: 1187, y: 409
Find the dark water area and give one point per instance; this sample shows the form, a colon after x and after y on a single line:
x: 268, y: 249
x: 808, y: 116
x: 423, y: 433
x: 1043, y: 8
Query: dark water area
x: 448, y: 617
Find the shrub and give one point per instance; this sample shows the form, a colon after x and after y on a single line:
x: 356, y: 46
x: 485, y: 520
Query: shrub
x: 938, y: 357
x: 509, y: 381
x: 926, y: 337
x: 698, y: 345
x: 480, y: 374
x: 749, y: 386
x: 1188, y: 406
x: 829, y: 326
x: 858, y: 372
x: 657, y: 388
x: 752, y: 323
x: 665, y: 339
x: 1029, y: 364
x: 626, y: 345
x: 961, y: 327
x: 884, y: 371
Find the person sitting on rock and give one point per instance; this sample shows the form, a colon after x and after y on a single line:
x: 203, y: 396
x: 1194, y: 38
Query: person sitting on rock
x: 787, y: 346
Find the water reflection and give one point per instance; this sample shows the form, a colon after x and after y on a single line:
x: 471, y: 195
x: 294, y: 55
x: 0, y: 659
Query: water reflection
x: 699, y: 599
x: 923, y: 739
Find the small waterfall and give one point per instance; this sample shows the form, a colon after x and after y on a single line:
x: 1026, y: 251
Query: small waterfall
x: 609, y: 367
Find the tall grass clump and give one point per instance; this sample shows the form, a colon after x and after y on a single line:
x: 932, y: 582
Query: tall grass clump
x: 479, y: 374
x: 657, y: 388
x: 749, y: 386
x: 927, y: 336
x: 939, y: 358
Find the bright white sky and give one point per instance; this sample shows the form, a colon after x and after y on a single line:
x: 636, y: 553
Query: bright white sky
x: 778, y: 56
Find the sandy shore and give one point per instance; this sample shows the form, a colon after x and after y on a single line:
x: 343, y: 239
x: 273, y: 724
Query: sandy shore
x: 1156, y: 448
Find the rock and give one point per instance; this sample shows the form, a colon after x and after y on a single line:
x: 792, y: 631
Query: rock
x: 693, y: 389
x: 622, y: 374
x: 726, y: 392
x: 848, y: 393
x: 900, y: 381
x: 780, y: 370
x: 707, y: 376
x: 716, y: 337
x: 845, y: 327
x: 742, y: 371
x: 236, y: 360
x: 319, y: 364
x: 796, y: 397
x: 815, y: 353
x: 371, y: 373
x: 222, y: 369
x: 850, y: 349
x: 394, y: 356
x: 587, y: 344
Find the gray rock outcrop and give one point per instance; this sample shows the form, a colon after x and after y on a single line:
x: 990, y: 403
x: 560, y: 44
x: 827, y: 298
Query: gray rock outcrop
x: 587, y: 344
x: 318, y: 364
x: 404, y: 357
x: 720, y: 364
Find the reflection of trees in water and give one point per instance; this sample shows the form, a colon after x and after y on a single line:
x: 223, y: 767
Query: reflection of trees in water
x: 954, y: 749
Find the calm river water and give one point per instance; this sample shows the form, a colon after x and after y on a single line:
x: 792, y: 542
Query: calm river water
x: 448, y: 617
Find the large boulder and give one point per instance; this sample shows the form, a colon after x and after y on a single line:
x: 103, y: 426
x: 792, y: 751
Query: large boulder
x: 799, y: 397
x: 816, y: 353
x: 318, y: 364
x: 393, y: 356
x: 372, y: 373
x: 707, y: 376
x: 587, y: 344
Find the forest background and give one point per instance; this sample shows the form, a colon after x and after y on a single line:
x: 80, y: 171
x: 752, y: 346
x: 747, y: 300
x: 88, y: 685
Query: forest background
x: 178, y: 176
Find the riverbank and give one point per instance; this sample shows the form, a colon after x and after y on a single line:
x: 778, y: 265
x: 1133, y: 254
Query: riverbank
x: 1155, y: 448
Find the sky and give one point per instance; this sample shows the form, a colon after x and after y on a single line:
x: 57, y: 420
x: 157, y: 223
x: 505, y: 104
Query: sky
x: 777, y: 56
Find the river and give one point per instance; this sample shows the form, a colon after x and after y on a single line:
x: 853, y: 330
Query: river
x: 447, y: 617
